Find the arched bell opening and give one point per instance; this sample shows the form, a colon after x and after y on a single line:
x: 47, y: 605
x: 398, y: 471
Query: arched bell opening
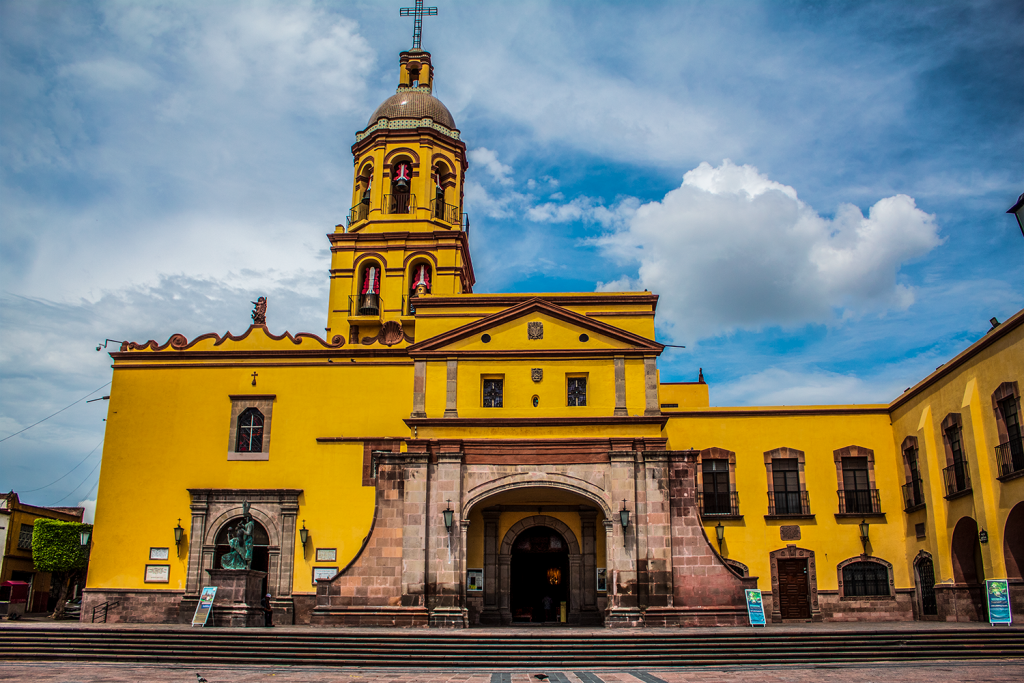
x: 361, y: 195
x: 367, y: 301
x: 401, y: 200
x: 421, y: 279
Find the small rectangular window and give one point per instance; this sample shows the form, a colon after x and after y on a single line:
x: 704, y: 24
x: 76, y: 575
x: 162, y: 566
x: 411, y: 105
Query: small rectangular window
x: 493, y: 390
x: 577, y: 391
x: 25, y: 537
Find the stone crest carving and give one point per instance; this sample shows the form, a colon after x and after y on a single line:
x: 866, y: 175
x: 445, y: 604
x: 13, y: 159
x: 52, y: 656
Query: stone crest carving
x: 789, y: 532
x: 537, y: 374
x: 535, y: 330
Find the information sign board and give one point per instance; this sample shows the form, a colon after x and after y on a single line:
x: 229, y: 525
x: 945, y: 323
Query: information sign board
x: 755, y: 608
x: 998, y: 593
x: 205, y: 605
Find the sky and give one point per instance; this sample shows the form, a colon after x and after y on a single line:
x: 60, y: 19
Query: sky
x: 816, y: 190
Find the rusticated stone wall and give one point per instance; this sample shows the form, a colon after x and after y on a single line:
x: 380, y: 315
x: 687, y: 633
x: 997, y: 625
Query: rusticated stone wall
x: 899, y: 607
x: 134, y: 606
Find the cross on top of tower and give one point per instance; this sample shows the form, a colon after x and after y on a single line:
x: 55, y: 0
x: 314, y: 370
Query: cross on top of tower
x: 417, y: 13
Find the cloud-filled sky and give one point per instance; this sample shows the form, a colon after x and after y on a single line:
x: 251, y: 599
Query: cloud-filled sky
x: 817, y: 190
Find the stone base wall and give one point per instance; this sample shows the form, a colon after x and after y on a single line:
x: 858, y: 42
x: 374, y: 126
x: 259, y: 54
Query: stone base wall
x: 402, y: 617
x: 475, y: 605
x: 134, y: 606
x: 1016, y: 600
x: 960, y: 602
x: 696, y: 616
x: 835, y: 608
x: 303, y: 604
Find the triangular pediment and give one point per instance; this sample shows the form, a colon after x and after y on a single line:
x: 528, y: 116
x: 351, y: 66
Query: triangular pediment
x: 536, y: 326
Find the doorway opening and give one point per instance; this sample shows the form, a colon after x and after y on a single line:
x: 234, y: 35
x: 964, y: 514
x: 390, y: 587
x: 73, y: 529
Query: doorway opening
x: 260, y: 548
x: 540, y: 577
x: 794, y: 589
x: 926, y: 585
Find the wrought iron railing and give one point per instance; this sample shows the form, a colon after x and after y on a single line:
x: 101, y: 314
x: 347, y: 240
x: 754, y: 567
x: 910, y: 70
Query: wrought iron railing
x: 788, y: 503
x: 100, y: 611
x: 400, y: 202
x: 1010, y: 456
x: 359, y: 212
x: 442, y: 210
x: 958, y: 479
x: 859, y: 501
x: 364, y: 304
x: 913, y: 495
x: 712, y: 503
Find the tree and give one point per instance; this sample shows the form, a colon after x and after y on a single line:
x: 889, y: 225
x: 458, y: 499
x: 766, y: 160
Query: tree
x: 57, y: 548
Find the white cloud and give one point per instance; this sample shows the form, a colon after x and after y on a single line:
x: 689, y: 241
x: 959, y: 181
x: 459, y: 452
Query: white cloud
x: 732, y: 249
x: 90, y: 510
x: 487, y: 158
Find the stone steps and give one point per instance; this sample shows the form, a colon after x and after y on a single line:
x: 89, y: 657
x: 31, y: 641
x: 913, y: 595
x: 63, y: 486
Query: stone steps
x: 502, y: 649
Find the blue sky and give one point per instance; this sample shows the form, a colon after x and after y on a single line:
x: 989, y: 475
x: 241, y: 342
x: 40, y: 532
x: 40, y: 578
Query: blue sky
x: 817, y: 190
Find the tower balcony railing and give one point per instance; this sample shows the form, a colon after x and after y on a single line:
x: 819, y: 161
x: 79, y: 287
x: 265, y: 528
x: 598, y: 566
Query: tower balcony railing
x: 958, y: 479
x: 859, y: 501
x: 793, y: 503
x: 364, y: 305
x: 442, y: 210
x: 913, y: 495
x: 1011, y: 457
x: 718, y: 503
x: 399, y: 203
x: 359, y: 212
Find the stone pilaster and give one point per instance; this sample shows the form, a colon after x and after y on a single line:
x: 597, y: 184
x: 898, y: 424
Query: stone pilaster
x: 651, y: 400
x: 419, y: 389
x: 658, y: 529
x: 414, y: 530
x: 444, y: 546
x: 490, y: 615
x: 623, y: 604
x: 451, y: 405
x: 620, y: 387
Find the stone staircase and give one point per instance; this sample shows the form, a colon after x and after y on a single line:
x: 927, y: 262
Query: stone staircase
x: 503, y: 649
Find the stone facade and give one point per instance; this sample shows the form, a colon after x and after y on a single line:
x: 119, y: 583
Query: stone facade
x: 140, y: 606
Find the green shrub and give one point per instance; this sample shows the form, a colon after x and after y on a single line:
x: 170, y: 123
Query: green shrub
x: 57, y: 546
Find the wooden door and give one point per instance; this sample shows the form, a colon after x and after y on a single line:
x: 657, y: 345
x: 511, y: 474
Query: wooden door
x: 794, y: 590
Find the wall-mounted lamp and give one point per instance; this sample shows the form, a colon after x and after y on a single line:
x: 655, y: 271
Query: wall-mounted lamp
x: 304, y: 534
x: 624, y: 519
x: 83, y: 538
x: 107, y: 341
x: 982, y: 536
x: 720, y: 534
x: 864, y: 535
x: 448, y: 514
x: 178, y: 531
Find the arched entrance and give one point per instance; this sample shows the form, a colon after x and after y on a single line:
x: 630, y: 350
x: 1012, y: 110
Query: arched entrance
x: 1013, y: 543
x: 924, y: 571
x: 963, y: 600
x: 540, y: 576
x: 963, y: 552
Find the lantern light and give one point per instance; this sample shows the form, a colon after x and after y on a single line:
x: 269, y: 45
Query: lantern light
x: 720, y: 534
x: 448, y: 514
x: 304, y: 534
x: 178, y: 531
x: 864, y: 535
x: 83, y: 537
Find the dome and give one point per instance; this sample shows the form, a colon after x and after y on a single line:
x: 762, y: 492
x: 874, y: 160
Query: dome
x: 413, y: 104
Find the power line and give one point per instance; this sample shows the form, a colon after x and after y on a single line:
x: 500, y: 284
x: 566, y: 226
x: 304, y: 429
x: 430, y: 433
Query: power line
x: 69, y: 471
x: 87, y: 477
x: 57, y: 413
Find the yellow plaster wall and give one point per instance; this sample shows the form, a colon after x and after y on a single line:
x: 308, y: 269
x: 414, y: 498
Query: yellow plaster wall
x: 751, y: 539
x: 685, y: 394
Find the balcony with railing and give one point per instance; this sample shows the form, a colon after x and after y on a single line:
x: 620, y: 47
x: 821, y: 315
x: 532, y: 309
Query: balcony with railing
x: 788, y: 504
x: 364, y: 305
x: 859, y: 502
x: 913, y: 495
x: 442, y: 210
x: 958, y: 480
x: 359, y: 212
x: 399, y: 203
x: 1010, y: 456
x: 718, y: 504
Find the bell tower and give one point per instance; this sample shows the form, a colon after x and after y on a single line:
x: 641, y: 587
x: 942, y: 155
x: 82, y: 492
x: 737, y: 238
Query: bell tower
x: 406, y: 235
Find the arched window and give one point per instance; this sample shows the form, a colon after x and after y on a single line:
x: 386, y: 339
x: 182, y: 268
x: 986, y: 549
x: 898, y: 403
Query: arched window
x: 419, y: 284
x: 400, y: 200
x: 249, y: 438
x: 865, y: 579
x: 369, y: 290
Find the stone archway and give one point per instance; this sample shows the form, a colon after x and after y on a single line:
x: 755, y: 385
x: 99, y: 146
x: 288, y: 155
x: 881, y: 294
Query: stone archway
x: 924, y: 575
x: 788, y: 555
x: 963, y: 600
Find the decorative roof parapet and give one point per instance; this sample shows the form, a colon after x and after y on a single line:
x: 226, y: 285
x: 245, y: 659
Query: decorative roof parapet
x: 407, y: 123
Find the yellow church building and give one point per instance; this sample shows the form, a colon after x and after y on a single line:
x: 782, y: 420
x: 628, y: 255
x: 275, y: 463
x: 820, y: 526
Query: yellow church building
x: 444, y: 458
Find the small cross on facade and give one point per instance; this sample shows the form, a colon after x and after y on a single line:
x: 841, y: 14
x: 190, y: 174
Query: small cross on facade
x: 417, y: 14
x: 254, y: 375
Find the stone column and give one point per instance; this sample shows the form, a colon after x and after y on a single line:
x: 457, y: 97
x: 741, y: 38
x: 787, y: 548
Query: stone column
x: 419, y: 389
x: 451, y: 407
x: 658, y: 528
x: 575, y: 588
x: 623, y: 606
x: 414, y: 535
x: 653, y: 407
x: 490, y: 615
x: 620, y: 387
x: 444, y: 546
x: 196, y: 533
x: 504, y: 588
x: 282, y: 602
x: 588, y: 527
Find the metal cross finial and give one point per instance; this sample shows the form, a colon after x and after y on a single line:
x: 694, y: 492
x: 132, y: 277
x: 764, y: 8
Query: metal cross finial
x: 417, y: 13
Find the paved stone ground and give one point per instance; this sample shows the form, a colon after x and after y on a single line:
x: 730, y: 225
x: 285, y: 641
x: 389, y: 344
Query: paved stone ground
x: 931, y: 672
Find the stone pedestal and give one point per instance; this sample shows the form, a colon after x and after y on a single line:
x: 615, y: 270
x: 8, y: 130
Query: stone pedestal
x: 239, y: 597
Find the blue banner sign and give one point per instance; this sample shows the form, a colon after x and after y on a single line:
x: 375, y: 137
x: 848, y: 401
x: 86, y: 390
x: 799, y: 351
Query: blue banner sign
x: 755, y: 608
x: 998, y: 593
x: 205, y: 605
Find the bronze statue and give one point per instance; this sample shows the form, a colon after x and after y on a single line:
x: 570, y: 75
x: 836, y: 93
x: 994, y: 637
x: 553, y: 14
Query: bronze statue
x: 240, y: 540
x: 259, y: 313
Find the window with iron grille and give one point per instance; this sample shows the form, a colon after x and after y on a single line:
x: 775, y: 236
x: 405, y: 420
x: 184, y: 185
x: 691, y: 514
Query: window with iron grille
x: 958, y: 470
x: 786, y: 485
x: 856, y: 485
x: 577, y: 391
x: 916, y: 492
x: 715, y: 473
x: 493, y: 389
x: 865, y: 579
x: 25, y: 537
x: 1011, y: 453
x: 250, y: 432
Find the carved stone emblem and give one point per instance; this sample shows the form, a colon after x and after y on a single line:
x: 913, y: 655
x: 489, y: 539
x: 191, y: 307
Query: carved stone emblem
x: 537, y: 374
x: 789, y: 532
x: 535, y: 330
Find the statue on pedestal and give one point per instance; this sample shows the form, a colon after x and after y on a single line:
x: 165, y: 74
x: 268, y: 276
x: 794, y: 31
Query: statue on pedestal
x: 240, y: 540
